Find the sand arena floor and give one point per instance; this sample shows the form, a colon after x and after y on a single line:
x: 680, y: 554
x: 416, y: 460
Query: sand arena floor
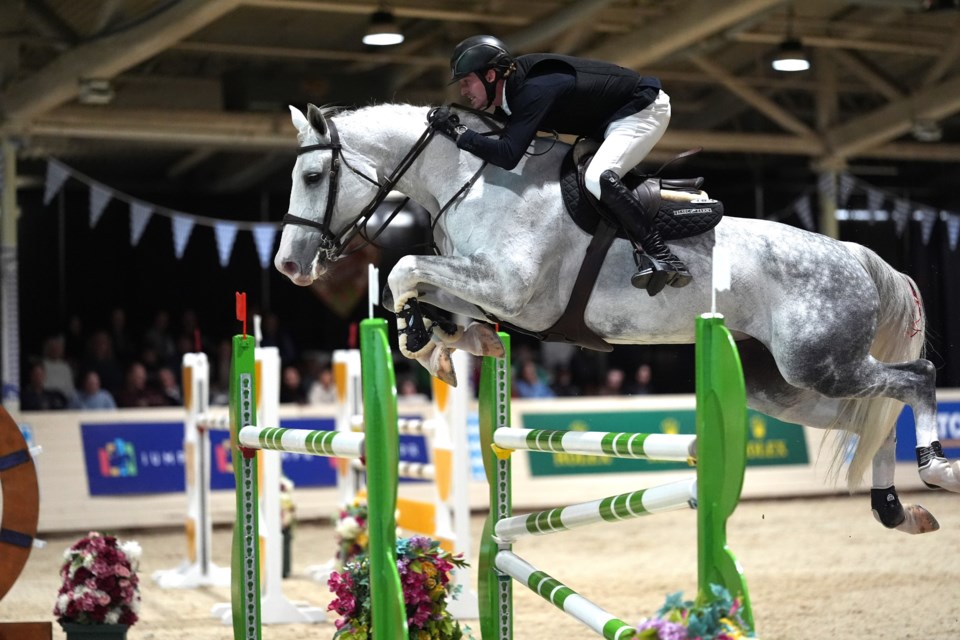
x: 816, y: 568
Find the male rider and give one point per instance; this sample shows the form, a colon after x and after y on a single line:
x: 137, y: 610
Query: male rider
x: 577, y: 96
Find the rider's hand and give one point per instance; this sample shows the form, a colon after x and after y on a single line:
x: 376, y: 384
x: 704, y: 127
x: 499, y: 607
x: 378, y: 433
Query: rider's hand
x: 443, y: 121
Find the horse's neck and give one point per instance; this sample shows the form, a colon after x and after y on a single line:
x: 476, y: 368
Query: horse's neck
x: 387, y: 138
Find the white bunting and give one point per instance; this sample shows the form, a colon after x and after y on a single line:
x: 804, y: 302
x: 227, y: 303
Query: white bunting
x: 100, y: 197
x: 953, y: 229
x: 927, y: 219
x: 901, y: 214
x: 874, y: 201
x: 263, y: 237
x: 802, y: 208
x: 57, y: 174
x: 140, y: 213
x: 182, y: 227
x: 226, y: 235
x: 847, y: 183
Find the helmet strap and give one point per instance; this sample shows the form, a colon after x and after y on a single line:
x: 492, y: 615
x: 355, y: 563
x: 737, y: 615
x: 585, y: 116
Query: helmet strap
x: 490, y: 87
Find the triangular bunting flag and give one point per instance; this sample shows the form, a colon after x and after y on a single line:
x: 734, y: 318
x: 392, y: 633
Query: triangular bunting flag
x: 901, y: 213
x: 827, y: 185
x: 182, y: 227
x: 802, y: 208
x: 57, y: 174
x: 263, y: 237
x: 225, y: 234
x: 140, y: 214
x: 953, y: 230
x: 874, y: 201
x: 927, y: 219
x: 100, y: 197
x: 847, y: 183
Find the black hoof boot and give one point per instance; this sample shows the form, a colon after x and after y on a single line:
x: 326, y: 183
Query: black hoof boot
x: 416, y: 331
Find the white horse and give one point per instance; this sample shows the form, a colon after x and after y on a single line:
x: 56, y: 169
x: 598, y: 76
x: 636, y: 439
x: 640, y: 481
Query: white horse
x: 830, y: 335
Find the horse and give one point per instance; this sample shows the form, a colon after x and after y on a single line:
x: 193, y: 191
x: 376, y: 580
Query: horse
x: 830, y: 335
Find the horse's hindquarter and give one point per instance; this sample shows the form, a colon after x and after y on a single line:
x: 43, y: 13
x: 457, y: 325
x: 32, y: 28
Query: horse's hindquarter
x: 784, y: 281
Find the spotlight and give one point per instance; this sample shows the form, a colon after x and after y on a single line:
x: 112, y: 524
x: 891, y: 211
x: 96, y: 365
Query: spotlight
x: 383, y: 30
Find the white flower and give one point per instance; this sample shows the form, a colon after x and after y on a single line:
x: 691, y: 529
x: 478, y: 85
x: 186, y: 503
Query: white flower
x: 133, y: 551
x: 348, y: 527
x: 112, y: 617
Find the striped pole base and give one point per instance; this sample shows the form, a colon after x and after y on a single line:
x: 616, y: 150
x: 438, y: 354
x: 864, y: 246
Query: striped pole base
x: 330, y: 444
x: 564, y: 597
x: 666, y: 497
x: 642, y: 446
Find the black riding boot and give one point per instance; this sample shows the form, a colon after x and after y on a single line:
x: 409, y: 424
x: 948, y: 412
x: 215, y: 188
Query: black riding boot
x: 656, y: 266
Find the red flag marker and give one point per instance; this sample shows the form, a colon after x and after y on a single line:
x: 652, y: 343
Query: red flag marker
x: 242, y: 311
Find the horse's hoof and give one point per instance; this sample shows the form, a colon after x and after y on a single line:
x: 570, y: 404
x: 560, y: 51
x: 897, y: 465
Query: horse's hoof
x: 917, y: 520
x: 441, y: 364
x: 490, y: 343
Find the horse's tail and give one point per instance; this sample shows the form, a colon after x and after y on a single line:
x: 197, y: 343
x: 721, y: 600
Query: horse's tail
x: 900, y: 337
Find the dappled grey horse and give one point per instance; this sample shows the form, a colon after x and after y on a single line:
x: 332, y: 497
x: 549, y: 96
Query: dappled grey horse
x: 829, y: 334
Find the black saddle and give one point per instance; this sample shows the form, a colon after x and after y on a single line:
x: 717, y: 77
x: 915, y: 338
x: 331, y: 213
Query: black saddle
x: 673, y: 219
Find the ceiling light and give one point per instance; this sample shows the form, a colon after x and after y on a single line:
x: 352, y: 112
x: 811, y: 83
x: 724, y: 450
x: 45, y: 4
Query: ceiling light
x: 791, y: 56
x: 383, y: 30
x: 95, y: 91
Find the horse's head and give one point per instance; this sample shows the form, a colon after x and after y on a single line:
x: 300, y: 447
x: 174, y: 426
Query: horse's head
x: 328, y: 194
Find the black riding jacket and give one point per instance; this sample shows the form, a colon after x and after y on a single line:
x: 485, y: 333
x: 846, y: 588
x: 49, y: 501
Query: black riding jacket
x: 564, y: 94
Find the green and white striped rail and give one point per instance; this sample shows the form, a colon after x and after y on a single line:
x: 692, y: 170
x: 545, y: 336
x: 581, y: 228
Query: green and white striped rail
x: 638, y: 446
x: 380, y: 446
x: 330, y: 444
x: 719, y: 449
x: 667, y: 497
x: 564, y: 598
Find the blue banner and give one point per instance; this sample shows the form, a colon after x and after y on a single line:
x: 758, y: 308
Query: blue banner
x: 138, y: 457
x: 130, y: 458
x: 948, y: 430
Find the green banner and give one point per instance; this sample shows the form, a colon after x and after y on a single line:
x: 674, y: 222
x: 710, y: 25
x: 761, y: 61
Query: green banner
x: 771, y: 442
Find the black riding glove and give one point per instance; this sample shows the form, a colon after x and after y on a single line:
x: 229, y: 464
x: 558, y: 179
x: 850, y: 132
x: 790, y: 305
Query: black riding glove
x: 443, y: 121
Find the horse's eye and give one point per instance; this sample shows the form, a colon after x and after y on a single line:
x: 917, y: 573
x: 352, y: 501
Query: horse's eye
x: 312, y: 178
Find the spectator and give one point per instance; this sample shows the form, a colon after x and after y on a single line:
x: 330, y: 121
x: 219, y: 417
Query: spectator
x: 407, y: 391
x: 273, y: 335
x: 168, y: 388
x: 529, y: 384
x: 135, y: 391
x: 291, y: 387
x: 124, y: 347
x: 613, y: 385
x: 100, y: 359
x: 160, y: 339
x: 323, y: 390
x: 91, y: 396
x: 59, y: 372
x: 563, y: 385
x: 35, y: 396
x: 642, y: 382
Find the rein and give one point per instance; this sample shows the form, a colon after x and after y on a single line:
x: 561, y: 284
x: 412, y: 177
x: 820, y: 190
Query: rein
x: 336, y: 244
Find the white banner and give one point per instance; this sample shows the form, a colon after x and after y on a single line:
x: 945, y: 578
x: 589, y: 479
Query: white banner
x: 901, y: 214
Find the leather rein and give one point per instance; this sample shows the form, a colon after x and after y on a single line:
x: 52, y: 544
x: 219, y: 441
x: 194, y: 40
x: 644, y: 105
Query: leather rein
x: 335, y: 245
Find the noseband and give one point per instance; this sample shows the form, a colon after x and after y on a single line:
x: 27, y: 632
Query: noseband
x: 335, y: 244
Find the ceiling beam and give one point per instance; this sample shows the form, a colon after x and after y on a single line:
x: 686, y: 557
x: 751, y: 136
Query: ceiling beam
x: 829, y: 42
x: 754, y: 98
x: 106, y: 57
x: 894, y: 119
x: 685, y: 28
x: 866, y: 72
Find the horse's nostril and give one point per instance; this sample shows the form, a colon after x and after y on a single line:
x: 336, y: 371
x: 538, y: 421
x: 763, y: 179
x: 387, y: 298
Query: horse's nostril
x: 290, y: 268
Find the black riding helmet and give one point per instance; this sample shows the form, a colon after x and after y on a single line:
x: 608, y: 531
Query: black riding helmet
x: 476, y: 54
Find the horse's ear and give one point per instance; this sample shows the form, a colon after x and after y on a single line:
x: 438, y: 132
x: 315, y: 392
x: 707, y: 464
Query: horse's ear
x: 299, y: 120
x: 316, y: 119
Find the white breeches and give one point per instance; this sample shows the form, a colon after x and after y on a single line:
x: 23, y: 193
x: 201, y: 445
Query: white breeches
x: 627, y: 141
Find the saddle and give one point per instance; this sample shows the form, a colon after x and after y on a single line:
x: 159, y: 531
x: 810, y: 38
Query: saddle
x: 683, y: 210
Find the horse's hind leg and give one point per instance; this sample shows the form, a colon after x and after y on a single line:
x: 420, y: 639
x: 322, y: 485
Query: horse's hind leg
x: 768, y: 392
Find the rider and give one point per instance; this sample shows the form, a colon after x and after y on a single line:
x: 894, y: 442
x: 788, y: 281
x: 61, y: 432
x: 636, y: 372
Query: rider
x: 629, y: 112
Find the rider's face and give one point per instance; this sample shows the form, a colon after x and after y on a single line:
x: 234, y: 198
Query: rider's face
x: 473, y: 90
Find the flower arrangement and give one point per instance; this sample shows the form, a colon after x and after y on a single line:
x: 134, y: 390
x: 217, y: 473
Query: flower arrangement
x: 351, y: 530
x: 100, y: 583
x: 425, y: 576
x: 679, y: 619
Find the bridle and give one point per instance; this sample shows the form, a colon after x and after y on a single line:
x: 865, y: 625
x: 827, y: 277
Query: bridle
x: 334, y: 245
